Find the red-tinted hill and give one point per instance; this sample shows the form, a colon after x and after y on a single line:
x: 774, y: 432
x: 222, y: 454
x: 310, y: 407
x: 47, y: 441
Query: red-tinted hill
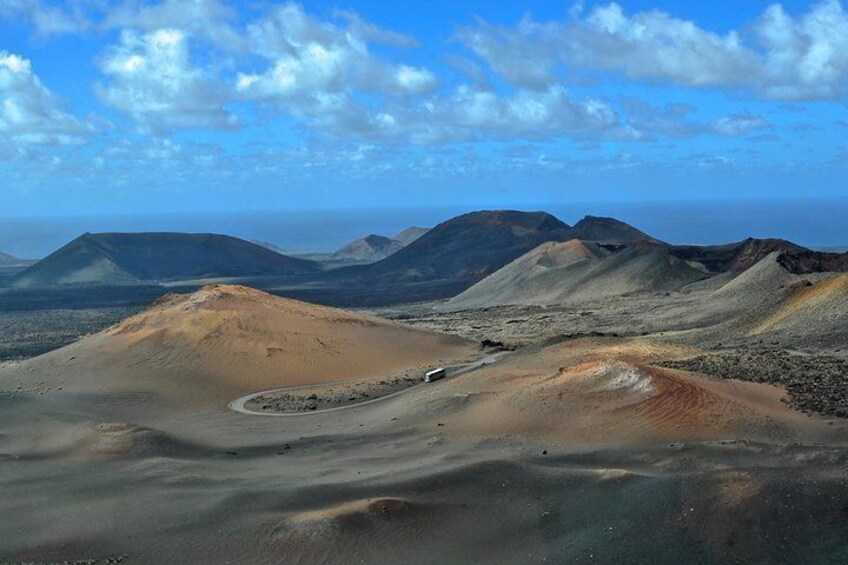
x: 734, y: 257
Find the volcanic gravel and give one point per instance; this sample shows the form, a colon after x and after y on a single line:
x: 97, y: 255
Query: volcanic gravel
x: 814, y: 383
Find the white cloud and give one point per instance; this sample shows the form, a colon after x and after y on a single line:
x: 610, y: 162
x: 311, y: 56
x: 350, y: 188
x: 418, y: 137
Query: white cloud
x: 315, y: 65
x: 49, y: 19
x: 29, y: 112
x: 647, y: 45
x: 414, y: 80
x: 327, y: 75
x: 741, y: 124
x: 526, y: 55
x: 212, y: 19
x: 805, y: 58
x: 153, y: 80
x: 470, y: 113
x: 783, y: 58
x: 324, y: 73
x: 654, y: 45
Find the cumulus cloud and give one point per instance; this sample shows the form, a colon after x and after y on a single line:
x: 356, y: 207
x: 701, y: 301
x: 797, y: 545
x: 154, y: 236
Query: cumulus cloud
x: 324, y: 72
x: 49, y: 19
x: 783, y: 58
x: 525, y: 55
x: 313, y: 60
x: 212, y: 19
x: 29, y: 112
x: 805, y: 58
x: 471, y: 113
x: 334, y: 76
x: 153, y: 80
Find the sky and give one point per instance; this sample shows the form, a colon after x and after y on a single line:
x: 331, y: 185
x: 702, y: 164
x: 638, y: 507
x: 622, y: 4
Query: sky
x: 130, y: 106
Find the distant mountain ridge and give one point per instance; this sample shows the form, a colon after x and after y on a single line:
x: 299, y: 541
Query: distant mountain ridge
x: 130, y: 258
x: 464, y: 248
x: 10, y: 260
x: 368, y: 249
x: 440, y: 262
x: 454, y: 255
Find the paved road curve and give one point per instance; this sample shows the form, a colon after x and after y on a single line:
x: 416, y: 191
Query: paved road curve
x: 238, y: 405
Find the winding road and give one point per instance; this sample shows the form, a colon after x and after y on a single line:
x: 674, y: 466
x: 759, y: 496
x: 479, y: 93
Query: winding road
x: 238, y: 405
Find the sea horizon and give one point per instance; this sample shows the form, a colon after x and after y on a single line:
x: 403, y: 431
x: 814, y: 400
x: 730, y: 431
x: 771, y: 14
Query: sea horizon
x: 817, y: 224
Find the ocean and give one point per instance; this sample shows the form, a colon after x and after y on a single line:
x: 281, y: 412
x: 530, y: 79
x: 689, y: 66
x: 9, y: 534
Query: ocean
x: 814, y: 223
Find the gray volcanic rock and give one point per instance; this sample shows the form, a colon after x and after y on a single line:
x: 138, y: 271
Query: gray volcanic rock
x: 367, y: 249
x: 410, y: 234
x: 129, y: 258
x: 805, y: 262
x: 577, y: 272
x: 814, y: 383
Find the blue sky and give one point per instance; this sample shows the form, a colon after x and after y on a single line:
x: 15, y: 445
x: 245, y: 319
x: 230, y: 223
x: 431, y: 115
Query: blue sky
x: 209, y: 105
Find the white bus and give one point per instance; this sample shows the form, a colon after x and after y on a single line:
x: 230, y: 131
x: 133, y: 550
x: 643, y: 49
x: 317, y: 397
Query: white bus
x: 434, y: 375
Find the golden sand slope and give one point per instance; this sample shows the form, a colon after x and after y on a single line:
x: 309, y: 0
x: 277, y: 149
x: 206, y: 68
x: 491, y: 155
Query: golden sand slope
x: 817, y: 306
x: 224, y: 341
x: 606, y: 392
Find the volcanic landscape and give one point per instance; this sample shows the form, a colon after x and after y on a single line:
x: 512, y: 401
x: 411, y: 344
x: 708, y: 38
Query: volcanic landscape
x: 607, y: 397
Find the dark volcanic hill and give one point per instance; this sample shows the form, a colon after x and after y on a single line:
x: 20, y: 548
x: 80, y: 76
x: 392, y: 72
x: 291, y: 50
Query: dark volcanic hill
x: 128, y: 258
x: 464, y: 249
x: 806, y: 262
x: 735, y: 257
x: 367, y: 249
x: 607, y: 230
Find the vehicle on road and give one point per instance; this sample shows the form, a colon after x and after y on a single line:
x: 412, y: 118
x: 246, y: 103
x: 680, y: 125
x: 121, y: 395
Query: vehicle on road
x: 435, y: 375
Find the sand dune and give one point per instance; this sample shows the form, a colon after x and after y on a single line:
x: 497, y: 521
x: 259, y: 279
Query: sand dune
x: 225, y: 341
